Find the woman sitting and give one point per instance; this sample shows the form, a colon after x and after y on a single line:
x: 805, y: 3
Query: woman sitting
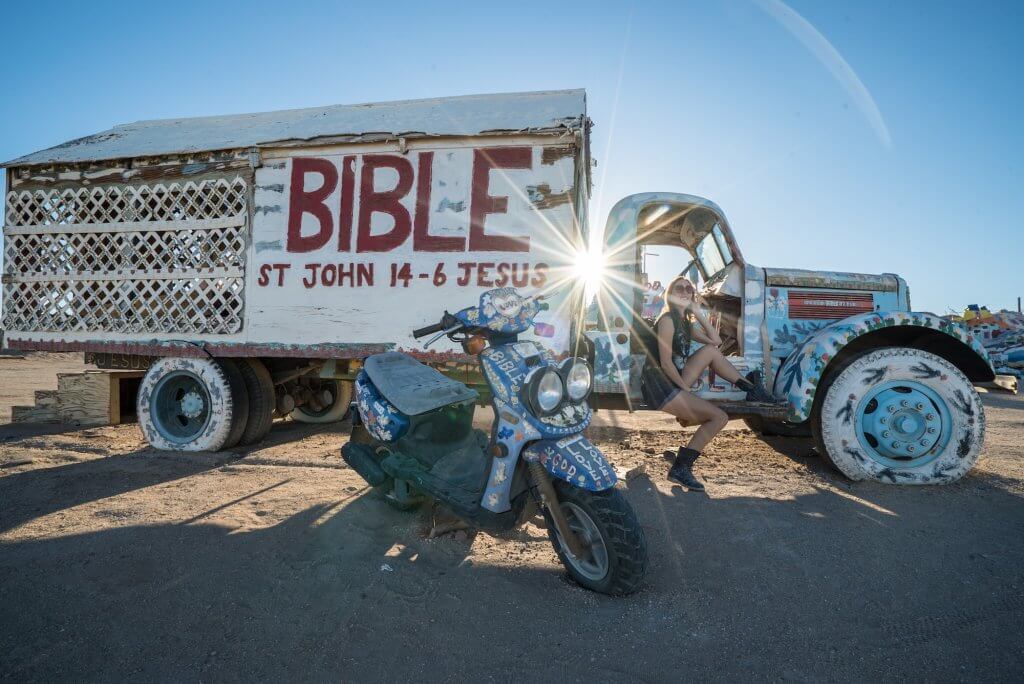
x: 666, y: 384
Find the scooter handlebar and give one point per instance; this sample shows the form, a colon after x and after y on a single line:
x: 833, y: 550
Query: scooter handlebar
x: 423, y: 332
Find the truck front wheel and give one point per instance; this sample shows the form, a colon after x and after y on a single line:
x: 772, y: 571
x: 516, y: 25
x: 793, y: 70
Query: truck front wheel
x: 900, y: 416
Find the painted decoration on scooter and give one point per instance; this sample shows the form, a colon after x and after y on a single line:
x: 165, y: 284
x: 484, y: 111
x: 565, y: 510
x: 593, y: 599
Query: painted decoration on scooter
x: 575, y: 460
x: 506, y: 370
x: 382, y: 420
x: 502, y: 310
x: 798, y: 378
x: 510, y: 433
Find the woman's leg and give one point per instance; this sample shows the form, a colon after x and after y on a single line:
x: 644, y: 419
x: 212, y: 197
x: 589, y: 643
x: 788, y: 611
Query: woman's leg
x: 711, y: 356
x: 689, y: 409
x: 704, y: 357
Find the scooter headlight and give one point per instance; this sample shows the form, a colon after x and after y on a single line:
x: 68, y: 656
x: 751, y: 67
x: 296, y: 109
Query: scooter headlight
x: 546, y: 391
x: 578, y: 379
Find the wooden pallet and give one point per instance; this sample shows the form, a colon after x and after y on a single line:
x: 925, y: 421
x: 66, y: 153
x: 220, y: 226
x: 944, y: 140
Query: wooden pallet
x: 89, y: 398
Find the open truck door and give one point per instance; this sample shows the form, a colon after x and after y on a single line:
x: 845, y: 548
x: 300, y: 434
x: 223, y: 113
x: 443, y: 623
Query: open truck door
x: 624, y: 337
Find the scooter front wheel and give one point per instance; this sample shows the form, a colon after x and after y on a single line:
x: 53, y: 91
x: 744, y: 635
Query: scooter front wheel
x: 616, y: 551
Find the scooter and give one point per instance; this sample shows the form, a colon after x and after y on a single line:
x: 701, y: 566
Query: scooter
x: 414, y: 439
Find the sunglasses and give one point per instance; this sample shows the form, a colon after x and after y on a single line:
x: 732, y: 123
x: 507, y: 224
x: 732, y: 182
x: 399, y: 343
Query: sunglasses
x: 683, y: 288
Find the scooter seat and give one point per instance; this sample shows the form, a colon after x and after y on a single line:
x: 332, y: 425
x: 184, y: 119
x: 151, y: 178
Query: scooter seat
x: 412, y: 387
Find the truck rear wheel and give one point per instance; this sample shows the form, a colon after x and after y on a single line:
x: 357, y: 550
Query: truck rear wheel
x: 239, y: 401
x: 772, y: 428
x: 900, y: 416
x: 260, y: 387
x: 341, y: 393
x: 185, y: 405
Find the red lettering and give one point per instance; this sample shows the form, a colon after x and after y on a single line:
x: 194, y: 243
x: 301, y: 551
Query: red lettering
x: 301, y: 202
x: 540, y: 275
x: 483, y: 273
x: 348, y: 200
x: 520, y: 280
x: 264, y: 278
x: 482, y: 203
x: 467, y: 268
x: 421, y: 240
x: 310, y: 280
x: 502, y: 279
x: 386, y: 202
x: 333, y: 271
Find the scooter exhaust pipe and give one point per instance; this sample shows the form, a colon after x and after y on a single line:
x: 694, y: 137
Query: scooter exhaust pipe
x: 360, y: 458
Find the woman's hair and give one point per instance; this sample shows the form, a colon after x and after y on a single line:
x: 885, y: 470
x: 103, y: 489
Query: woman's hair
x: 667, y: 309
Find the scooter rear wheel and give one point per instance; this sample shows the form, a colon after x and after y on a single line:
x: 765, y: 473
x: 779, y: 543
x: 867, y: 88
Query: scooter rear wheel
x: 605, y: 522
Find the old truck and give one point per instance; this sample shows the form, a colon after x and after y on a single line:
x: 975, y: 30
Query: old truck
x: 886, y: 392
x: 251, y: 263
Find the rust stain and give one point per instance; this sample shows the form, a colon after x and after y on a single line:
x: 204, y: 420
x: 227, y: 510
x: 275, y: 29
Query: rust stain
x: 542, y: 197
x: 550, y: 155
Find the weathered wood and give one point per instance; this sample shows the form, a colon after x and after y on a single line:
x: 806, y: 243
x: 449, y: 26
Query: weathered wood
x: 34, y: 414
x: 91, y: 398
x: 46, y: 398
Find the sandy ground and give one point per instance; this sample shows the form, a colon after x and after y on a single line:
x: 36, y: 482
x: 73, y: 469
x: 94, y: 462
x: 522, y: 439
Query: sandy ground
x: 117, y: 562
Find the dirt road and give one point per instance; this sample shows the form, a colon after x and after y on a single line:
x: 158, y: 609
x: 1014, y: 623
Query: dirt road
x: 117, y: 562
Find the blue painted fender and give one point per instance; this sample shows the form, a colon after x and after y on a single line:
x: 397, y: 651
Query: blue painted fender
x: 575, y: 460
x: 797, y: 379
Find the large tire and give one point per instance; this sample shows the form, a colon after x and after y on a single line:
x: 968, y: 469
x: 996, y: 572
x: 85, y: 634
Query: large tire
x: 239, y: 401
x: 342, y: 392
x: 185, y: 405
x: 260, y: 387
x: 900, y: 416
x: 773, y: 428
x: 611, y: 517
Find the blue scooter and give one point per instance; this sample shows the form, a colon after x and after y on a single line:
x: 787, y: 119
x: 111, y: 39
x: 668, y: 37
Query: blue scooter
x: 413, y: 438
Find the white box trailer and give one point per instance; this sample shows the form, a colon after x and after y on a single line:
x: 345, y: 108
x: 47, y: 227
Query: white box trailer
x: 277, y: 250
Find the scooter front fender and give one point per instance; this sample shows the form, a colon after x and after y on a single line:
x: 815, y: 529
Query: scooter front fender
x: 575, y: 460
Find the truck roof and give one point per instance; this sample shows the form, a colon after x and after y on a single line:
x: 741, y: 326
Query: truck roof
x: 467, y: 115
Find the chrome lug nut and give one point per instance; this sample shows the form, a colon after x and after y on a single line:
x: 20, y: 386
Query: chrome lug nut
x: 930, y: 416
x: 924, y: 442
x: 919, y: 406
x: 910, y: 449
x: 883, y: 420
x: 892, y: 409
x: 931, y: 431
x: 904, y: 403
x: 895, y: 445
x: 885, y: 434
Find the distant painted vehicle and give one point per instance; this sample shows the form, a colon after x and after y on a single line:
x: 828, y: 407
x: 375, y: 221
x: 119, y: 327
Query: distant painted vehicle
x: 886, y: 392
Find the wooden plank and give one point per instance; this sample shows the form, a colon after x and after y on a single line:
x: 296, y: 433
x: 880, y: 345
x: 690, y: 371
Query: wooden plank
x: 46, y: 398
x: 83, y: 398
x: 34, y: 414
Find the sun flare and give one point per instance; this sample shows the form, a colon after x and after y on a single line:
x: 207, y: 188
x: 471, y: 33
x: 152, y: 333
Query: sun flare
x: 589, y: 269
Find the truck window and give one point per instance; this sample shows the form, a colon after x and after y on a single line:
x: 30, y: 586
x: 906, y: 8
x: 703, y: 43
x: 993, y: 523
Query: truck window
x: 709, y: 256
x: 723, y: 246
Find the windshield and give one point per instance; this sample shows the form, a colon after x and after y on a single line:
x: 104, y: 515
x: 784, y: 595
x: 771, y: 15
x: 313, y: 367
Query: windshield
x: 709, y: 256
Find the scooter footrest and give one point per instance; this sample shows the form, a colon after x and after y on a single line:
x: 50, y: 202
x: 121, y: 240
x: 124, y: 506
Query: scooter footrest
x: 456, y: 498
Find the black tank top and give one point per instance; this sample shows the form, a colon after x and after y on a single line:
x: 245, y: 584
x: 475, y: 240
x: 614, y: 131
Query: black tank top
x: 681, y: 337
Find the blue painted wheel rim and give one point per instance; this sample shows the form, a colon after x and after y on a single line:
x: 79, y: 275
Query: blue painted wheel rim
x: 903, y: 424
x: 180, y: 407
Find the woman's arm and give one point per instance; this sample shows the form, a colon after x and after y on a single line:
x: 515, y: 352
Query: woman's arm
x: 665, y: 332
x: 706, y: 334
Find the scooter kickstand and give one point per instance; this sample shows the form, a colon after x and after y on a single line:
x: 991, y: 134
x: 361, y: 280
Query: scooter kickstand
x: 550, y: 500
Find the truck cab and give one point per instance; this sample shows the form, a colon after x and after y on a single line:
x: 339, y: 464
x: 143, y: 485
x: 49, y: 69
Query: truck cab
x: 812, y: 335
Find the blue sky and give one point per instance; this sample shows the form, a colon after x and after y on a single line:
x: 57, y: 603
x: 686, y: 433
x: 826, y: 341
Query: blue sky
x: 723, y: 99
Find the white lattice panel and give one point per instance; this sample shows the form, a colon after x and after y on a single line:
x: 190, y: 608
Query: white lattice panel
x: 192, y: 200
x: 127, y: 259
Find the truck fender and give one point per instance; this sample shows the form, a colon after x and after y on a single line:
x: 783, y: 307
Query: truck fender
x: 575, y: 460
x: 798, y: 378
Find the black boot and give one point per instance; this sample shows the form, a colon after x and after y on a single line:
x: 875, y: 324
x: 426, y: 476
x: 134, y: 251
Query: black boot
x: 682, y: 470
x: 755, y: 389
